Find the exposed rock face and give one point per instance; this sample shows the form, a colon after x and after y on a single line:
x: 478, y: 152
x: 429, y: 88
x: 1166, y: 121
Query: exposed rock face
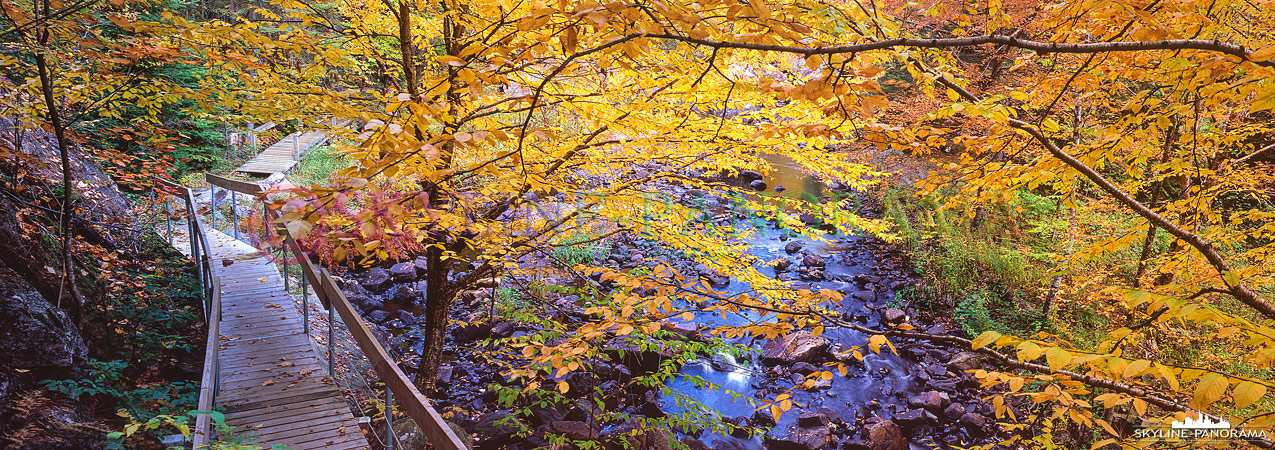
x: 795, y: 347
x: 412, y: 438
x: 35, y: 336
x: 376, y: 280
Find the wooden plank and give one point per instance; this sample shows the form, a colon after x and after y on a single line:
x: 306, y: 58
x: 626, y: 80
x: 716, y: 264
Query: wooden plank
x: 242, y: 187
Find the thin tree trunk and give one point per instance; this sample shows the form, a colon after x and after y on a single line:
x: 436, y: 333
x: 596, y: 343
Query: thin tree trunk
x: 59, y: 131
x: 1157, y: 191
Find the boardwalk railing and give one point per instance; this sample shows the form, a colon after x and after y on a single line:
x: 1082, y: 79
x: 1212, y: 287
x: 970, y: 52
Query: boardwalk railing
x: 200, y: 252
x: 398, y: 387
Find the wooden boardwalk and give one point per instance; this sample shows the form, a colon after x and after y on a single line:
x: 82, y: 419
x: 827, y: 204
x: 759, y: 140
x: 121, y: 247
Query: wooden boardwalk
x: 273, y: 384
x: 283, y: 155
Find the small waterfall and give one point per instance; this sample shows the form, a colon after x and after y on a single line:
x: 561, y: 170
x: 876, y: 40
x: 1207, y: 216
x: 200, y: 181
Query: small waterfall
x: 736, y: 374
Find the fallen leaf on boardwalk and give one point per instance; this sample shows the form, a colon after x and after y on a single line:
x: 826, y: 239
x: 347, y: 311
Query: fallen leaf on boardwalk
x: 267, y: 382
x: 291, y: 385
x: 263, y: 280
x: 286, y: 364
x: 340, y: 431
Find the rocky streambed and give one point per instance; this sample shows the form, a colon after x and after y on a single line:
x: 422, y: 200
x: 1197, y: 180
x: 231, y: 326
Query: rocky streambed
x: 921, y: 397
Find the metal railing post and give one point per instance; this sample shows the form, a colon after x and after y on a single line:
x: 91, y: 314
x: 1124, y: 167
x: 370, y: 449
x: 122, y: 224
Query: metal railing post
x: 305, y: 304
x: 168, y: 218
x: 296, y: 146
x: 286, y: 284
x: 389, y: 418
x: 331, y: 345
x: 212, y: 190
x: 234, y: 211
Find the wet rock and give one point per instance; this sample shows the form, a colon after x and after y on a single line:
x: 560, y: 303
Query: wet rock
x: 803, y: 368
x: 813, y: 260
x: 738, y: 426
x: 965, y: 361
x: 404, y: 272
x: 750, y: 175
x: 813, y: 420
x: 893, y: 316
x: 722, y: 444
x: 797, y: 438
x: 913, y: 418
x: 779, y: 189
x: 406, y: 317
x: 763, y: 418
x: 694, y: 444
x: 684, y: 329
x: 782, y: 265
x: 411, y: 436
x: 422, y: 266
x: 929, y: 400
x: 811, y: 219
x: 365, y: 303
x: 886, y: 435
x: 375, y: 280
x: 378, y: 316
x: 757, y: 185
x: 792, y: 247
x: 974, y: 421
x: 799, y: 346
x: 954, y: 411
x: 445, y: 374
x: 495, y: 428
x: 405, y: 295
x: 503, y: 329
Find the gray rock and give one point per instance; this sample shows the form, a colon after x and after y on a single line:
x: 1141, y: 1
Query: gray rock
x: 782, y: 265
x: 378, y: 316
x: 574, y: 429
x: 757, y: 185
x: 779, y: 189
x: 406, y: 317
x: 376, y: 280
x: 965, y: 361
x: 797, y: 438
x: 792, y: 247
x: 403, y: 272
x: 813, y: 420
x: 495, y: 428
x: 928, y: 400
x: 798, y: 346
x: 813, y: 260
x: 954, y: 411
x: 750, y: 175
x: 974, y: 420
x: 913, y: 418
x: 803, y: 368
x: 893, y: 316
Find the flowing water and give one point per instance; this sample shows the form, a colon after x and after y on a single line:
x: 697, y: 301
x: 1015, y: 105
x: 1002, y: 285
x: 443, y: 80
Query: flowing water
x: 864, y: 389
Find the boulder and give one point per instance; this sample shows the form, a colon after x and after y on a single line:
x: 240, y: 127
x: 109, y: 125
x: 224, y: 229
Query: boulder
x: 974, y: 421
x: 573, y: 429
x: 928, y: 400
x: 885, y: 435
x: 779, y: 189
x: 803, y: 368
x: 378, y: 316
x: 913, y: 418
x: 376, y: 280
x: 763, y: 418
x: 965, y: 361
x: 795, y: 437
x: 404, y: 272
x: 795, y: 347
x: 757, y: 185
x: 792, y: 247
x: 750, y: 175
x: 893, y: 316
x: 813, y: 260
x: 954, y: 411
x: 406, y: 317
x: 813, y: 420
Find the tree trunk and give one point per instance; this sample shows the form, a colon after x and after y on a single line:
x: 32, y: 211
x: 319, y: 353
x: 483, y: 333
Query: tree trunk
x: 59, y: 131
x: 438, y: 302
x: 1157, y: 190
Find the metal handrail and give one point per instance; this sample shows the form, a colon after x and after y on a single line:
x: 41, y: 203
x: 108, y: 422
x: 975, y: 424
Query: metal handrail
x: 398, y: 386
x: 201, y: 253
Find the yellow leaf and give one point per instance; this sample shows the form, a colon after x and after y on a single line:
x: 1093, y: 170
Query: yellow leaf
x: 1140, y: 406
x: 1210, y: 389
x: 776, y: 411
x: 1247, y: 392
x: 1136, y: 368
x: 688, y: 316
x: 1029, y: 351
x: 875, y: 342
x: 983, y: 339
x: 563, y: 387
x: 1057, y: 358
x: 1263, y: 54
